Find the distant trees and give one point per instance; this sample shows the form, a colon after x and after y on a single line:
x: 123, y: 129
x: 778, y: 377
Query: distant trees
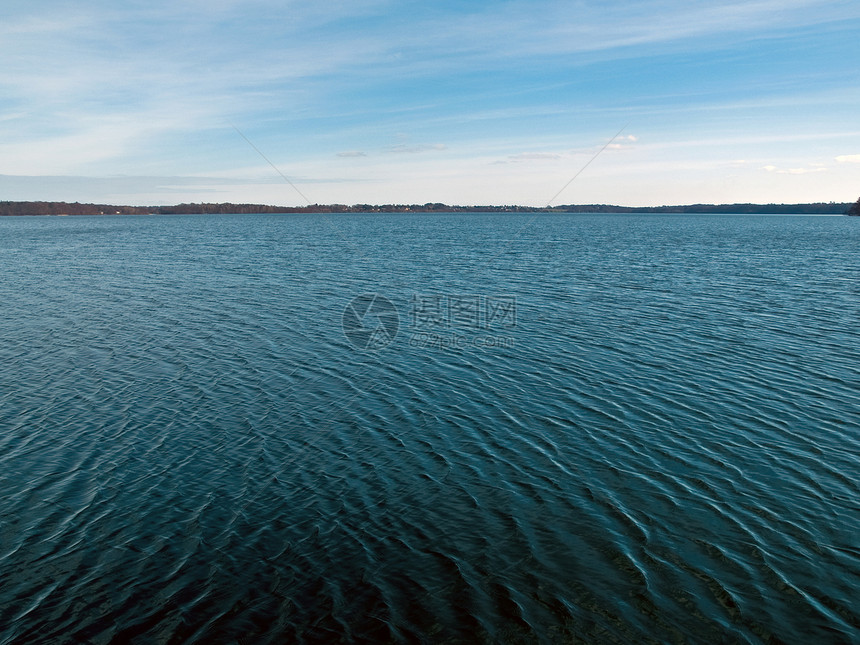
x: 66, y: 208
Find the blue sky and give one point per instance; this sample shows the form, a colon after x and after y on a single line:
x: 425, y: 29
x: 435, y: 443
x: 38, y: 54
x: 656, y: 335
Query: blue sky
x: 375, y: 101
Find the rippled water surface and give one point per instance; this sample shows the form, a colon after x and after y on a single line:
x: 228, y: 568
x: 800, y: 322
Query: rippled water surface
x: 564, y: 428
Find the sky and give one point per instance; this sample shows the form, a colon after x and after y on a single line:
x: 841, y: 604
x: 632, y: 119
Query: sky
x: 292, y: 102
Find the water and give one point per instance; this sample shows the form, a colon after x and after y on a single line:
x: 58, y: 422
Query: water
x: 614, y: 428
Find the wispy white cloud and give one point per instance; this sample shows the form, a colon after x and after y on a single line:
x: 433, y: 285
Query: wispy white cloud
x: 751, y: 139
x: 532, y: 156
x: 548, y: 28
x: 405, y: 148
x: 623, y: 142
x: 848, y: 158
x: 793, y: 171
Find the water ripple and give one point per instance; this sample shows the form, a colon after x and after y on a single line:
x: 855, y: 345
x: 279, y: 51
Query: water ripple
x: 665, y: 451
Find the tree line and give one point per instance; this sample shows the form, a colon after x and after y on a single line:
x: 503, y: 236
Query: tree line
x: 76, y: 208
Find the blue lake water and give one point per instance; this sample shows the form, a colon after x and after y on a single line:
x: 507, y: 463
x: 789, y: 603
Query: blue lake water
x: 430, y: 428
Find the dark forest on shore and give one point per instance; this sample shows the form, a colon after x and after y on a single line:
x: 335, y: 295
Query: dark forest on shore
x: 13, y: 208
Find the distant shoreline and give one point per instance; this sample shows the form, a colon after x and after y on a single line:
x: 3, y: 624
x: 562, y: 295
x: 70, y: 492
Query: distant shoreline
x: 10, y: 208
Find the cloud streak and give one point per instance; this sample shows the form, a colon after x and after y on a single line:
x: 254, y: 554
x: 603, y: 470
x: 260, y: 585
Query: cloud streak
x: 793, y: 171
x: 407, y: 149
